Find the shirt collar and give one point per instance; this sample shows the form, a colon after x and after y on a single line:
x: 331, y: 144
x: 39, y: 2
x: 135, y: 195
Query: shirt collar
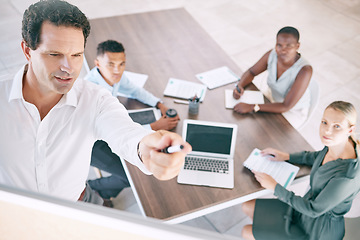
x: 70, y: 98
x: 101, y: 81
x: 17, y: 86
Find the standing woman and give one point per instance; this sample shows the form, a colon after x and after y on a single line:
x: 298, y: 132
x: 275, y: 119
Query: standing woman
x: 334, y: 182
x: 289, y: 75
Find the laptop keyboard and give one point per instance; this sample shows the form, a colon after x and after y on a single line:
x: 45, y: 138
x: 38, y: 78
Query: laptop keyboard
x: 206, y: 164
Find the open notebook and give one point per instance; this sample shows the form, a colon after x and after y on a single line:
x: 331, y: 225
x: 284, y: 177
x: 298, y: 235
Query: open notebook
x: 184, y: 89
x: 138, y: 79
x: 250, y: 97
x: 217, y: 77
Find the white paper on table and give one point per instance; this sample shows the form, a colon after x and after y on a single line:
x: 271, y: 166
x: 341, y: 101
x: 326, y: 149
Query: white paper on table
x: 184, y: 89
x: 137, y: 79
x: 217, y: 77
x: 283, y: 172
x: 250, y: 97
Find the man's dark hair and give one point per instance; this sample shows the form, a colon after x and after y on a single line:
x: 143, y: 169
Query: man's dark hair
x: 57, y: 12
x: 290, y: 30
x: 109, y: 46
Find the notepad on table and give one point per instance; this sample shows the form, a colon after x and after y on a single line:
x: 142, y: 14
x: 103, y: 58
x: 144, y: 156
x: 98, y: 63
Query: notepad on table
x: 250, y: 97
x: 283, y: 172
x: 184, y: 89
x: 138, y: 79
x: 217, y: 77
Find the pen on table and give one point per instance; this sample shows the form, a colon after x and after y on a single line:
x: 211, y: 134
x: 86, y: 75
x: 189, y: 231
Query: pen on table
x: 269, y: 155
x: 201, y: 94
x: 172, y: 149
x: 181, y: 101
x: 193, y: 99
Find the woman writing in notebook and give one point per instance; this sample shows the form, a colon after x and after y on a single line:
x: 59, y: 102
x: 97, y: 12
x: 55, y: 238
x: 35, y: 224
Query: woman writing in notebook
x: 289, y: 75
x: 334, y: 182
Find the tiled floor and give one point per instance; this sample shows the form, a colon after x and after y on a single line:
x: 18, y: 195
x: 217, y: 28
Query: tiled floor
x: 330, y: 40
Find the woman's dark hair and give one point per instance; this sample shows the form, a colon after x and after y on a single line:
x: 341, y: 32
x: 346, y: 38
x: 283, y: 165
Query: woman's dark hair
x: 57, y: 12
x: 290, y: 30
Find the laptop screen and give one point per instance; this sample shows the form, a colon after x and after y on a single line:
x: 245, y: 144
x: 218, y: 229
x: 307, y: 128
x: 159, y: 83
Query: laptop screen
x: 211, y: 139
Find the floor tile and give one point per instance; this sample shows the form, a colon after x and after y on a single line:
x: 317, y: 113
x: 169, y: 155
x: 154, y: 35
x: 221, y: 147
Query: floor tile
x: 349, y: 50
x: 226, y: 218
x: 352, y: 230
x: 125, y: 199
x: 236, y: 229
x: 201, y: 223
x: 334, y: 70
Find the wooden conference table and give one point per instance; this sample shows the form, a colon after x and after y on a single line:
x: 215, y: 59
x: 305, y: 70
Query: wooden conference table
x: 171, y: 43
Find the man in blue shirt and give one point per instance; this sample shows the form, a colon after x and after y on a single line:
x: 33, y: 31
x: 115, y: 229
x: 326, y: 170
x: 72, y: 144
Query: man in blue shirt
x: 110, y: 65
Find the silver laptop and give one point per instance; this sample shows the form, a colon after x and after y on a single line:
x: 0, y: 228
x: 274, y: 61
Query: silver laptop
x: 211, y: 162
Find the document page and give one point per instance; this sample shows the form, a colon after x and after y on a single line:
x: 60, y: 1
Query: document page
x: 184, y: 89
x: 138, y: 79
x: 250, y: 97
x: 217, y: 77
x: 283, y: 172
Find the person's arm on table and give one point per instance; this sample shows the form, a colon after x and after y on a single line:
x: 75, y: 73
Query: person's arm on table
x: 250, y: 74
x: 164, y: 123
x: 296, y: 92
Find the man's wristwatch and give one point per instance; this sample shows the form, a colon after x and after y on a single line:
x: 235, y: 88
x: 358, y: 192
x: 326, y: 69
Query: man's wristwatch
x: 256, y: 108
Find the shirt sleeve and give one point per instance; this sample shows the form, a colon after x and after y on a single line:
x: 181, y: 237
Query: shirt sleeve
x: 304, y: 158
x: 335, y: 192
x: 147, y: 126
x: 128, y: 88
x: 114, y: 126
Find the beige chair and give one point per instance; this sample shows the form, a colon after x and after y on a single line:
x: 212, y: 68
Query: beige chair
x: 314, y: 100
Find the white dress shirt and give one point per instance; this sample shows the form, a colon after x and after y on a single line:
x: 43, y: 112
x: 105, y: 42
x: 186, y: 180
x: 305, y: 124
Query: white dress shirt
x: 53, y: 155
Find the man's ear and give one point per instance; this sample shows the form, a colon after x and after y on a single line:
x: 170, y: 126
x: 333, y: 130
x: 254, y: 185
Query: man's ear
x: 96, y: 61
x: 26, y: 50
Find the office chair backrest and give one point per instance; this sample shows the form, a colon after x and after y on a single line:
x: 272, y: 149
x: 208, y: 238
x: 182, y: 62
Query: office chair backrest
x: 85, y: 69
x: 314, y: 99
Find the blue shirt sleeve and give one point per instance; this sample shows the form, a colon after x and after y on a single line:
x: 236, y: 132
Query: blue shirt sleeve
x: 128, y: 88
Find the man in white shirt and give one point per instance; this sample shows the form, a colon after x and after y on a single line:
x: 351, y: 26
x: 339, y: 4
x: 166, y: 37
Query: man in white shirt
x: 50, y: 119
x: 109, y: 73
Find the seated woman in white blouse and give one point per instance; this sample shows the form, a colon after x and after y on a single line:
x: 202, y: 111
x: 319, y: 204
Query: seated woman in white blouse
x: 289, y: 78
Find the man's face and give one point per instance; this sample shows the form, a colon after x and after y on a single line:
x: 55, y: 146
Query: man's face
x: 111, y: 66
x: 57, y: 61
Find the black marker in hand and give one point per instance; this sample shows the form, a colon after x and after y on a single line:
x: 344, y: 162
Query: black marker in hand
x: 172, y: 149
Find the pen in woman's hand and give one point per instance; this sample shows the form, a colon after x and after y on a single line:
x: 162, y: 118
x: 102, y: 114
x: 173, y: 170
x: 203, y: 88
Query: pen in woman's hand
x: 237, y: 88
